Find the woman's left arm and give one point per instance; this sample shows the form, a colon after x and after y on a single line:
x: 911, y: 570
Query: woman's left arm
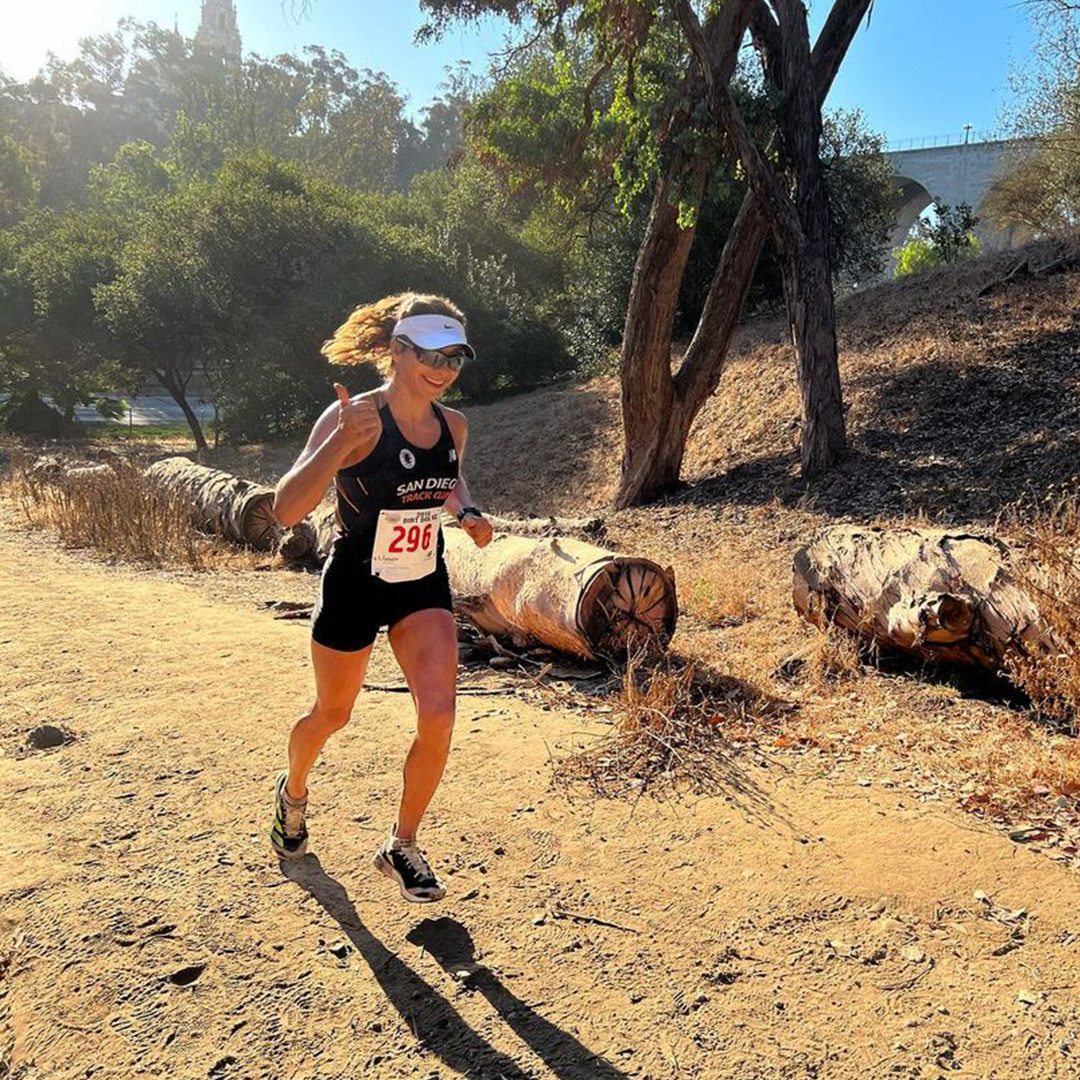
x: 475, y: 524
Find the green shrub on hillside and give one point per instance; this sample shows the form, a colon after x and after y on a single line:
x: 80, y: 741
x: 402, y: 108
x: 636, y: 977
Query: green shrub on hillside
x: 946, y: 240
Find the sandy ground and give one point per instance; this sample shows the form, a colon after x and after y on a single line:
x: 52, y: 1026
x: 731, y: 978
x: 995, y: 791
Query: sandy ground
x: 798, y: 926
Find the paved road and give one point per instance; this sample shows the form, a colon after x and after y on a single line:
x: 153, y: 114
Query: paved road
x: 149, y: 410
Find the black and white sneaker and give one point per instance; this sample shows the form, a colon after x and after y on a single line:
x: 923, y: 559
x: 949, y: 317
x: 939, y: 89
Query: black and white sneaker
x: 402, y: 861
x: 288, y: 834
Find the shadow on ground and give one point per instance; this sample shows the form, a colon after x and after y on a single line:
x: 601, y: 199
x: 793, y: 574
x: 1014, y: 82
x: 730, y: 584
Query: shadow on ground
x: 438, y: 1026
x: 957, y: 440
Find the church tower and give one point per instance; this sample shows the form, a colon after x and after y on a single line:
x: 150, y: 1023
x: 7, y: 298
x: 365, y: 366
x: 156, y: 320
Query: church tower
x: 217, y: 31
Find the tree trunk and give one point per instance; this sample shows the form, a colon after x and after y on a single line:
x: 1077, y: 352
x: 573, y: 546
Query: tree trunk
x: 808, y: 290
x: 655, y: 424
x: 652, y: 455
x: 704, y: 361
x: 937, y: 594
x: 805, y: 252
x: 652, y: 463
x: 176, y: 392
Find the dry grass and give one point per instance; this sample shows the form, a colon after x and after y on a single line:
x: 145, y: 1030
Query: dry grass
x: 1049, y: 537
x: 835, y: 656
x: 671, y: 728
x: 116, y: 513
x: 720, y: 597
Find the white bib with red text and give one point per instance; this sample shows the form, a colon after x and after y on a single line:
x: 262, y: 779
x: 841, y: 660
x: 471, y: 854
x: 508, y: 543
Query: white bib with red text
x: 405, y: 544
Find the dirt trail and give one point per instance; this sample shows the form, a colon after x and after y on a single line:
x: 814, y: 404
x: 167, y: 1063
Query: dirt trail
x: 795, y: 928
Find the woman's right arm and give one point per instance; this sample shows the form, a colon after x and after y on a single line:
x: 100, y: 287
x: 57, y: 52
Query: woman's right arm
x: 345, y: 428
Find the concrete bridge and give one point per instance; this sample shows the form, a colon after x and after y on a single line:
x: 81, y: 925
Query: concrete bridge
x: 953, y: 174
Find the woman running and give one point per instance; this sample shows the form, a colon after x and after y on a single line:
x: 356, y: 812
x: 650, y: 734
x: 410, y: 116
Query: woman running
x: 394, y: 457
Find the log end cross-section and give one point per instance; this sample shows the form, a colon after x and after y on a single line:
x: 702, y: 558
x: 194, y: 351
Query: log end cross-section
x: 561, y: 592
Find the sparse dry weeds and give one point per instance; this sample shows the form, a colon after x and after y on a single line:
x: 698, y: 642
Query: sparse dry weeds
x: 111, y: 509
x: 671, y: 728
x: 718, y: 596
x: 1049, y: 537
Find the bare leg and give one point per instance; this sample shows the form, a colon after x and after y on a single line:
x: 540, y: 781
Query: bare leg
x: 425, y: 644
x: 338, y: 678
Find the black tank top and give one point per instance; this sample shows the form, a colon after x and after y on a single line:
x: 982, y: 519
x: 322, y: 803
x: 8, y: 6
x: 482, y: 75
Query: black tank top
x: 395, y: 476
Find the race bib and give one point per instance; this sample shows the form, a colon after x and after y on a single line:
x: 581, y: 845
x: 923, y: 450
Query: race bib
x: 405, y: 544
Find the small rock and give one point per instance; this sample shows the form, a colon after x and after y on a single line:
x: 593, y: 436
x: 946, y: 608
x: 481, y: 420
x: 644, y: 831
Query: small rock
x: 46, y: 737
x: 1029, y: 997
x: 913, y: 954
x: 187, y: 975
x: 539, y: 920
x: 502, y: 663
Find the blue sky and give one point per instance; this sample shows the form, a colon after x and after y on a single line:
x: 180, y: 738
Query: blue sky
x: 924, y: 67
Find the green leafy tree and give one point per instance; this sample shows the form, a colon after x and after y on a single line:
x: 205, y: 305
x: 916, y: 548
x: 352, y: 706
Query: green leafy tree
x: 947, y: 239
x: 206, y: 272
x: 18, y: 186
x: 51, y: 345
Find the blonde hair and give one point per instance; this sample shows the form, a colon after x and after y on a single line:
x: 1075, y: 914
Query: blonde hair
x: 364, y: 337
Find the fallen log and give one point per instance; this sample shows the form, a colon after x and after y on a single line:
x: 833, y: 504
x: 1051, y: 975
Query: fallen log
x: 938, y: 594
x: 561, y: 592
x: 236, y: 509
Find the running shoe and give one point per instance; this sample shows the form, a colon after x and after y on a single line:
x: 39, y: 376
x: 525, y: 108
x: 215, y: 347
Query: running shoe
x: 288, y: 835
x: 402, y: 861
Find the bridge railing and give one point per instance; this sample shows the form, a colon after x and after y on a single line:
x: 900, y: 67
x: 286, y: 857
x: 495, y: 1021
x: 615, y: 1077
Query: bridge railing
x: 923, y: 142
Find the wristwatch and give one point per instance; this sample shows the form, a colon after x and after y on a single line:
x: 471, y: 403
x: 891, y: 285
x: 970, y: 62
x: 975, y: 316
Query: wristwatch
x: 468, y: 510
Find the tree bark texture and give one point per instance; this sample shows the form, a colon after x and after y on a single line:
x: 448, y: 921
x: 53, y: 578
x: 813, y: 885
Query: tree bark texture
x: 651, y: 413
x: 811, y: 311
x: 221, y: 503
x: 938, y: 594
x: 805, y: 251
x: 561, y: 592
x: 655, y: 424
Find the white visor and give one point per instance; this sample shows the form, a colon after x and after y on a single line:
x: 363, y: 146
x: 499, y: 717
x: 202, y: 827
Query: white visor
x: 433, y: 332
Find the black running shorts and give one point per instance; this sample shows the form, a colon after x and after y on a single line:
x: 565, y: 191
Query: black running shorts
x: 353, y: 604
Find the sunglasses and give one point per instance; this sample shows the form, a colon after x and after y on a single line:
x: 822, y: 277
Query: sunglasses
x: 433, y: 358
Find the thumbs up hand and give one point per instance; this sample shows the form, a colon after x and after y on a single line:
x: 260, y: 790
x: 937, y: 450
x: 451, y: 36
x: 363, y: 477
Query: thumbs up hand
x: 358, y: 421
